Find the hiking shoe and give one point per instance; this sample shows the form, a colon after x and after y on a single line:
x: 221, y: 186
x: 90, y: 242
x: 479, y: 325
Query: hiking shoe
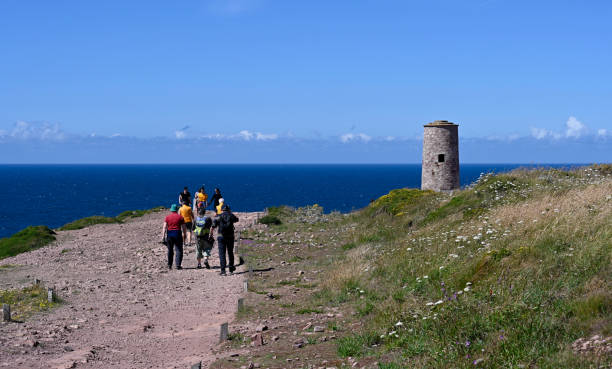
x: 199, y: 266
x: 206, y: 265
x: 169, y: 266
x: 179, y: 267
x: 222, y: 274
x: 232, y: 269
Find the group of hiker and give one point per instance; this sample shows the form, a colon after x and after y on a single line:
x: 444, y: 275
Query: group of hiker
x: 181, y: 226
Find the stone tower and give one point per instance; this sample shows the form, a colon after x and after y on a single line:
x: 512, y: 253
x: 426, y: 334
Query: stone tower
x: 440, y: 156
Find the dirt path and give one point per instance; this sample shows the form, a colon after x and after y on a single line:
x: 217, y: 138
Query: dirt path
x: 122, y: 307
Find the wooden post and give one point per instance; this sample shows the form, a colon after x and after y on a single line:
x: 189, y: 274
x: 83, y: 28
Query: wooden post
x: 224, y: 332
x: 197, y: 365
x: 50, y: 295
x: 6, y: 312
x: 246, y: 286
x: 240, y: 304
x: 36, y: 281
x: 250, y: 271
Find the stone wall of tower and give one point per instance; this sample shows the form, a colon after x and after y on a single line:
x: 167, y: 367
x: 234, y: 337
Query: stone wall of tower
x: 440, y: 173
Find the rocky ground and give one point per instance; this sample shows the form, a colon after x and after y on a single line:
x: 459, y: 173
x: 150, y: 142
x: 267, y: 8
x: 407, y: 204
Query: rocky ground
x: 121, y: 307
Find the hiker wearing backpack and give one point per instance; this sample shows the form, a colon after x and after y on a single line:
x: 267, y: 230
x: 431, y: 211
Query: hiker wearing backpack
x: 187, y: 214
x: 172, y: 234
x: 225, y: 237
x: 204, y: 237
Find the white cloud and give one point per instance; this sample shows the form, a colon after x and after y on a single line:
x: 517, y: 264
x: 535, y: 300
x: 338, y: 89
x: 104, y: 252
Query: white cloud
x: 265, y: 137
x: 245, y: 135
x: 116, y: 135
x: 390, y: 138
x: 37, y: 131
x: 602, y: 132
x: 575, y: 128
x: 540, y: 133
x: 348, y: 137
x: 180, y: 134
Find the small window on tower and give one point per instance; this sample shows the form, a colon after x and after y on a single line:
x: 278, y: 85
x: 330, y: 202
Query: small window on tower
x: 440, y: 158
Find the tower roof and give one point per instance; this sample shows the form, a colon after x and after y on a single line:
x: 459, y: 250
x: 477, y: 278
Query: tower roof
x: 440, y: 123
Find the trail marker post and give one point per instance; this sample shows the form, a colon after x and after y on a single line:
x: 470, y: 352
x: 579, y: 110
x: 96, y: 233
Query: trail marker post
x: 50, y: 295
x: 246, y: 286
x: 240, y: 304
x: 6, y: 312
x: 224, y: 332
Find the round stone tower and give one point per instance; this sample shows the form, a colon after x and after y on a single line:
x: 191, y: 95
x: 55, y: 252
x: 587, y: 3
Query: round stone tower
x: 440, y: 156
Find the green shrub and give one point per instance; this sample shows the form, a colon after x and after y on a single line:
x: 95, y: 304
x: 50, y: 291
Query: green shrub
x: 137, y: 213
x: 25, y: 240
x: 89, y: 221
x: 270, y: 219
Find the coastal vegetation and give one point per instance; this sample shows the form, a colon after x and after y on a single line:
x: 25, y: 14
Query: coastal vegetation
x: 514, y: 271
x: 98, y: 219
x: 26, y: 301
x: 25, y: 240
x: 34, y: 237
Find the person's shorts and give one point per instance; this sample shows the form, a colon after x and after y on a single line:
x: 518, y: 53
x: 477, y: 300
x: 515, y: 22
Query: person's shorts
x: 203, y: 247
x: 189, y: 226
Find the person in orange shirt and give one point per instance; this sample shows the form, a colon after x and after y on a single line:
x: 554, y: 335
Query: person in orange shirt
x: 201, y: 199
x: 187, y: 214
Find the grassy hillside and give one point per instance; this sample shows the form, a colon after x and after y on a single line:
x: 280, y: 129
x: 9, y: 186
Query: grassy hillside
x: 98, y: 219
x: 25, y: 240
x: 508, y: 273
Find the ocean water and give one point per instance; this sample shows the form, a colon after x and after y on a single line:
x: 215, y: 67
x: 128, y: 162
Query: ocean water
x: 54, y: 195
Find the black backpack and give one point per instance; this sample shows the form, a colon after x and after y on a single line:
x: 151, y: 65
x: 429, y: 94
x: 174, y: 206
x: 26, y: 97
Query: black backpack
x: 226, y: 226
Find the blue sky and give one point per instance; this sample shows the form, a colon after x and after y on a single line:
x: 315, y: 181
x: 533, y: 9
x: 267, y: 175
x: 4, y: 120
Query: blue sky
x: 304, y: 81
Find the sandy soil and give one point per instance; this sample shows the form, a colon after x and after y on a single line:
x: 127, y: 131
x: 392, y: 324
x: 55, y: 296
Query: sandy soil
x: 122, y: 307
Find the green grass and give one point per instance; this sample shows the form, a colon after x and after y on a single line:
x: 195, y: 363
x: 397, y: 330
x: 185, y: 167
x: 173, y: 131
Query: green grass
x: 532, y: 287
x: 25, y: 240
x: 137, y: 213
x: 98, y: 219
x: 27, y: 301
x: 88, y: 221
x: 270, y: 219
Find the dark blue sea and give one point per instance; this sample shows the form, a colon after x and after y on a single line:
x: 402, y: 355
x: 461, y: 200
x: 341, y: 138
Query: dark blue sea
x: 57, y: 194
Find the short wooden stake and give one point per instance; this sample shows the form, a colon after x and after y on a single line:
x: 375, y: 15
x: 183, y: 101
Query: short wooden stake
x: 240, y: 304
x: 250, y: 271
x: 224, y: 332
x: 50, y: 295
x: 246, y: 286
x: 197, y: 365
x: 36, y: 281
x: 6, y: 312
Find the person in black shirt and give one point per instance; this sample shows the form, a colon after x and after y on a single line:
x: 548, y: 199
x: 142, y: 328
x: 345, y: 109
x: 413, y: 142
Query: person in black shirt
x: 185, y: 197
x: 224, y: 223
x: 215, y: 199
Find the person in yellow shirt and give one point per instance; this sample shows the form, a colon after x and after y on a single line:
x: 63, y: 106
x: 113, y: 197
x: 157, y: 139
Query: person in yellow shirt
x: 201, y: 199
x: 219, y: 211
x: 187, y: 214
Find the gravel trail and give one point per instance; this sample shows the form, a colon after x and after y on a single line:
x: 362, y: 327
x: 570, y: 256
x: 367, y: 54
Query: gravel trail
x: 122, y: 307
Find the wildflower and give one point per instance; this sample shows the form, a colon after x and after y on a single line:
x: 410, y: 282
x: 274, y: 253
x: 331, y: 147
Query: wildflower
x: 438, y: 302
x: 441, y: 267
x: 429, y: 304
x: 467, y: 289
x: 467, y: 343
x: 409, y: 249
x: 425, y: 276
x: 391, y: 333
x: 453, y: 255
x: 468, y: 283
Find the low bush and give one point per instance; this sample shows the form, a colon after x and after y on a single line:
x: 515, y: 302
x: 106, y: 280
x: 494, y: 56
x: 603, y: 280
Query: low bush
x: 270, y: 219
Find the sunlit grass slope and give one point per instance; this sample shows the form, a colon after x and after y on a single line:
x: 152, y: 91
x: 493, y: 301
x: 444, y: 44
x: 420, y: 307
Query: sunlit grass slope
x: 506, y: 273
